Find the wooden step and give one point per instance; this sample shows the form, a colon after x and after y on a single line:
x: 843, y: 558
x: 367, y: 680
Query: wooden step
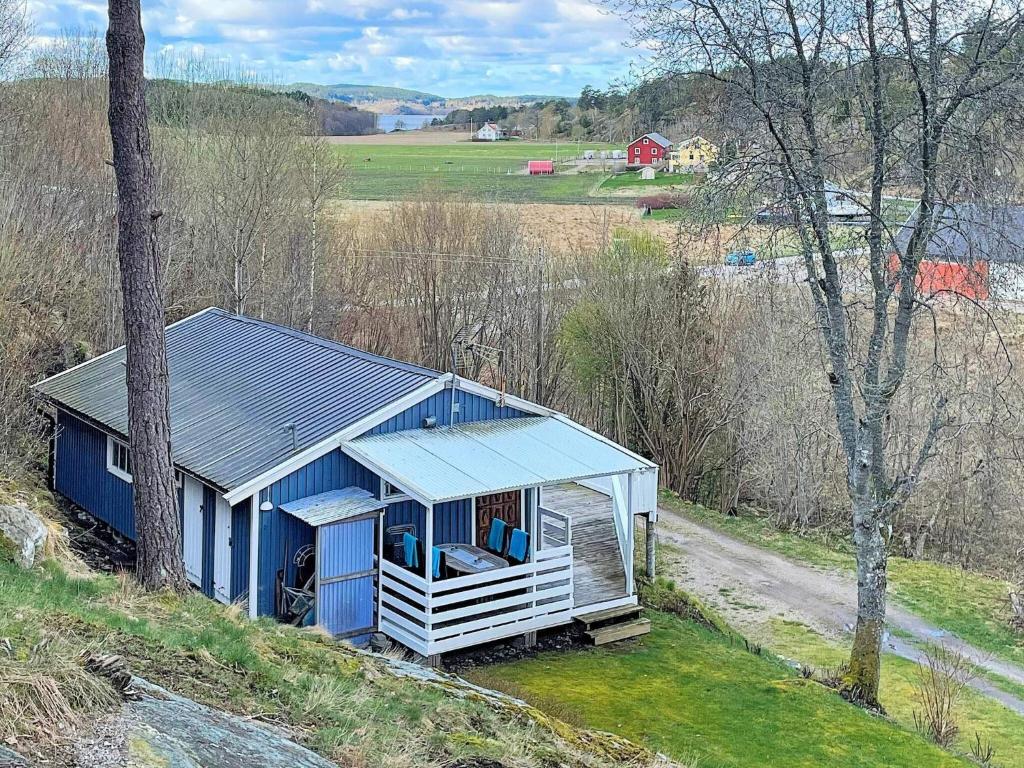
x: 609, y: 616
x: 612, y: 633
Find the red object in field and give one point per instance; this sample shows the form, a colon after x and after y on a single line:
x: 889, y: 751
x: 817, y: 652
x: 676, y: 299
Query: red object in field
x: 537, y: 167
x: 970, y: 280
x: 649, y: 149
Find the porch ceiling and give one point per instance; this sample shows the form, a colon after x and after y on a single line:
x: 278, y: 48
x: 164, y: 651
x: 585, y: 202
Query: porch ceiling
x: 446, y: 463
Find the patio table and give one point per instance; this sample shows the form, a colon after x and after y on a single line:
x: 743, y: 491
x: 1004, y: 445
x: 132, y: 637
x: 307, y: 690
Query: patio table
x: 467, y: 559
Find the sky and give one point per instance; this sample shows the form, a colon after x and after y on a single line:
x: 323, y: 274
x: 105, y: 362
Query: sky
x: 451, y: 48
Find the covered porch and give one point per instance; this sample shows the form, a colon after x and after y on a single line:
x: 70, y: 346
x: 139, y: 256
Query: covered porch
x: 520, y: 472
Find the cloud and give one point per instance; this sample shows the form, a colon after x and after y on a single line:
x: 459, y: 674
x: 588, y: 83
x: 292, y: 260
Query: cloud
x: 450, y: 47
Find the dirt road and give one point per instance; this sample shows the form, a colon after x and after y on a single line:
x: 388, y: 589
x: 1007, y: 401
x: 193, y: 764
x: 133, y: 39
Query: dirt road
x: 761, y: 586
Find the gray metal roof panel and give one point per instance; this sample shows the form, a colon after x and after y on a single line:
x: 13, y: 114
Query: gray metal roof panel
x: 333, y: 506
x: 969, y: 232
x: 235, y: 382
x: 488, y: 456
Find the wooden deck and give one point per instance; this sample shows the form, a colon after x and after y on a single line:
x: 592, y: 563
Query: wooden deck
x: 597, y: 562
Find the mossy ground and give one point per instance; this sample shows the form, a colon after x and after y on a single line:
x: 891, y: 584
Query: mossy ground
x: 697, y: 694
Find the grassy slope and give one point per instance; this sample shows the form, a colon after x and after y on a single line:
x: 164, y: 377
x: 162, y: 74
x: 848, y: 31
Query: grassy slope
x: 486, y: 170
x: 976, y: 713
x: 971, y: 605
x: 334, y: 701
x: 697, y: 695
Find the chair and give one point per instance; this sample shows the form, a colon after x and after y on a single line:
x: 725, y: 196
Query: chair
x: 496, y: 537
x: 411, y: 551
x: 393, y: 538
x: 518, y: 545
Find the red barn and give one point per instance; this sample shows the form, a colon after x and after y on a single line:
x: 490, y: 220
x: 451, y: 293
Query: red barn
x: 649, y: 149
x: 976, y: 251
x: 538, y: 167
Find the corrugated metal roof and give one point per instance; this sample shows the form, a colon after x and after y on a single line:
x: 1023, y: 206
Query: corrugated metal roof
x: 448, y: 463
x: 333, y: 506
x: 235, y: 385
x: 656, y: 137
x: 972, y: 232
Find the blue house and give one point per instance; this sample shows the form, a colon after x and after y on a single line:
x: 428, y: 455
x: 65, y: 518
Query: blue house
x: 314, y: 479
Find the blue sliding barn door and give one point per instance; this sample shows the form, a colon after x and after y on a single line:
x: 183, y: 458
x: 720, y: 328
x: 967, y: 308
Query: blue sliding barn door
x: 347, y: 576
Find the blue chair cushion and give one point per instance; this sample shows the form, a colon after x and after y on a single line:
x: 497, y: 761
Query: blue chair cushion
x: 411, y: 546
x: 496, y: 536
x: 518, y: 545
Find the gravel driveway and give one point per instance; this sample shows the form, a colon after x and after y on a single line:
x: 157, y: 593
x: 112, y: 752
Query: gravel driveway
x: 761, y: 586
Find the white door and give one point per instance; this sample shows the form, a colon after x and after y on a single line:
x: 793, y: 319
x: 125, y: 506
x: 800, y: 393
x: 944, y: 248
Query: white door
x: 193, y: 533
x: 222, y: 552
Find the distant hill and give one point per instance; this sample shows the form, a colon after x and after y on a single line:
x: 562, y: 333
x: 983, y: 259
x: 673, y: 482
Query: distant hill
x: 385, y: 99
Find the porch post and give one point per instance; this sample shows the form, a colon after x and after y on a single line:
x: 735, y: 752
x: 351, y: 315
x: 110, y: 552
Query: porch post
x: 651, y: 541
x: 428, y: 546
x: 630, y: 526
x: 534, y: 522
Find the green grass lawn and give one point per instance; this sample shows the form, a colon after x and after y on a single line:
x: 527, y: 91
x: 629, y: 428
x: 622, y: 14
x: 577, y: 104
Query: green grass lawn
x: 971, y: 605
x: 976, y: 713
x: 632, y: 181
x: 698, y: 695
x: 489, y: 171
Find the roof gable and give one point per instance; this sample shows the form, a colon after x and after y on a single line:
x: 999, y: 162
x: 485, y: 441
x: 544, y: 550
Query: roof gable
x: 244, y: 394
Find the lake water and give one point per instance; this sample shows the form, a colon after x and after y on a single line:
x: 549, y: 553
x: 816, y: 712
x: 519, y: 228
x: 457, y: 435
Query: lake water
x: 387, y: 123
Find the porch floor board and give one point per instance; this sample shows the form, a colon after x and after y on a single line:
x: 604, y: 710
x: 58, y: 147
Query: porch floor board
x: 597, y: 563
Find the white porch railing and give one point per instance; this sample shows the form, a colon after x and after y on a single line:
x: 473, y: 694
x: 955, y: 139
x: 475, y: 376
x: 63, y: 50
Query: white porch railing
x: 461, y: 612
x: 555, y: 529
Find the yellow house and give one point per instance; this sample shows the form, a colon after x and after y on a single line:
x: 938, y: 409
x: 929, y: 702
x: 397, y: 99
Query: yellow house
x: 694, y: 154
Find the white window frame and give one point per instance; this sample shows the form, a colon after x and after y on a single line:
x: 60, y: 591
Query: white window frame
x: 654, y: 150
x: 395, y: 496
x: 636, y: 150
x: 647, y: 141
x: 112, y: 468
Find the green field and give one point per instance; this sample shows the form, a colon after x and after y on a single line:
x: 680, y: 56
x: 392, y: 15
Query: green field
x: 633, y: 182
x: 700, y: 697
x: 491, y: 172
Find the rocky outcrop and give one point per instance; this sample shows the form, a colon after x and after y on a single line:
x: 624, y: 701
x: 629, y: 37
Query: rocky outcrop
x: 161, y: 730
x: 24, y: 531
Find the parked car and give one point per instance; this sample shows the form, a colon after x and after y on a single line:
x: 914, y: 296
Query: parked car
x: 744, y: 258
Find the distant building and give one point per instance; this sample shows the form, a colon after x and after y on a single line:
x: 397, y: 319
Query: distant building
x: 540, y: 167
x: 693, y: 155
x: 844, y: 203
x: 976, y: 251
x: 489, y: 132
x: 649, y: 149
x: 647, y: 173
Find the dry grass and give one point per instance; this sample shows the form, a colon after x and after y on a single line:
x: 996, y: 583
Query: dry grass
x: 45, y: 693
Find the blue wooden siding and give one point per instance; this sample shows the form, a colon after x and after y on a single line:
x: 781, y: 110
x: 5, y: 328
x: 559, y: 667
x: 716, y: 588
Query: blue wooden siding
x: 281, y: 535
x: 209, y: 537
x: 453, y: 520
x: 82, y: 476
x: 346, y: 549
x: 471, y: 408
x: 240, y: 524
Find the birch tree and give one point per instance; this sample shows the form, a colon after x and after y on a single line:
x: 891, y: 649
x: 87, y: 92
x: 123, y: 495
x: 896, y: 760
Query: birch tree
x: 159, y: 562
x: 909, y: 91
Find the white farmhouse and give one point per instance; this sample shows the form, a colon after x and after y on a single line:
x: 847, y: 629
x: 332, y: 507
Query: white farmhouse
x: 489, y: 132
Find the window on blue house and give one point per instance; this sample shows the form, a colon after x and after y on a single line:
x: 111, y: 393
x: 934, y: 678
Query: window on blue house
x: 119, y: 459
x: 389, y: 492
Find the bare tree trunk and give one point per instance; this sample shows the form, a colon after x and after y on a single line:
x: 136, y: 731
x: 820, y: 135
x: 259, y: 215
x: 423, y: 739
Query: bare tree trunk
x: 158, y: 531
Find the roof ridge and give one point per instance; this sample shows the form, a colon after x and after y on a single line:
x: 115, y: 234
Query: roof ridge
x: 329, y: 344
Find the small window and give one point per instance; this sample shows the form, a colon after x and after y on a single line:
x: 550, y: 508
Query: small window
x: 647, y: 141
x: 119, y: 459
x: 636, y: 150
x: 691, y: 155
x: 390, y: 493
x: 654, y: 150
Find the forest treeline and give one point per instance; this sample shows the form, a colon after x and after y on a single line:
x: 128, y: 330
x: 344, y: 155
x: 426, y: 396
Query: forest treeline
x: 723, y: 384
